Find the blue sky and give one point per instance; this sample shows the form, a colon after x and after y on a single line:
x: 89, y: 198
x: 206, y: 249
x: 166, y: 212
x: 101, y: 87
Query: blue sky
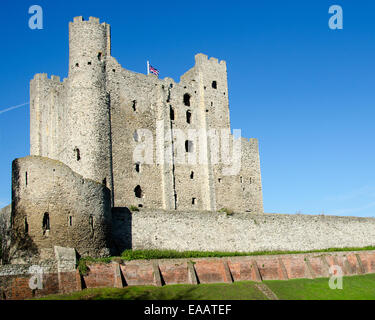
x: 304, y: 90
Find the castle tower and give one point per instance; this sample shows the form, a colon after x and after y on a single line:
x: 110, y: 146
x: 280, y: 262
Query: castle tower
x: 212, y: 89
x: 88, y: 146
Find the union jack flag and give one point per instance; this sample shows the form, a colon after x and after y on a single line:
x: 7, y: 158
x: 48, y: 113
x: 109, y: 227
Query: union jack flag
x: 153, y: 70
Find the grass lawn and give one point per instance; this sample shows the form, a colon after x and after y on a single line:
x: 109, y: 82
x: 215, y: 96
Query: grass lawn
x: 244, y: 290
x: 354, y: 288
x: 128, y: 255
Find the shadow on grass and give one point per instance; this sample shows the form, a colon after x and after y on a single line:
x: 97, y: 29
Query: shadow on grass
x: 160, y: 294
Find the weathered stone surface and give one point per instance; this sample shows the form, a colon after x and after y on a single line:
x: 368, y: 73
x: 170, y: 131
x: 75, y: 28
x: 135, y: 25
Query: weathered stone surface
x: 66, y: 259
x: 5, y: 223
x: 213, y: 231
x: 54, y: 206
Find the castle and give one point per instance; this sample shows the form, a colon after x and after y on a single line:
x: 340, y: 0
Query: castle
x: 106, y: 140
x: 87, y: 131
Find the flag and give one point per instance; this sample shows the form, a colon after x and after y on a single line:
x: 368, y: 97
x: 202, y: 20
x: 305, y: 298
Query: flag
x: 153, y: 70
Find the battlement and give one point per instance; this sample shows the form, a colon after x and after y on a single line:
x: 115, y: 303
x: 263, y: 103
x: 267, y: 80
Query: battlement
x: 169, y: 80
x: 253, y: 141
x: 44, y: 76
x: 40, y: 76
x: 88, y: 36
x: 93, y: 20
x: 201, y: 59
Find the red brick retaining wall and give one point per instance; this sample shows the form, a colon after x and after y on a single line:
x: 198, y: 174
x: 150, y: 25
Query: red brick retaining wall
x: 200, y: 270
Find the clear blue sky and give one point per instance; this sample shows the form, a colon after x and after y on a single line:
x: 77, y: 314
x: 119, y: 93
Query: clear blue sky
x: 304, y: 90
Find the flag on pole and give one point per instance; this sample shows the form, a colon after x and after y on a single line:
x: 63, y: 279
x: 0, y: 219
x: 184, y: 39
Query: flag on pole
x: 151, y: 69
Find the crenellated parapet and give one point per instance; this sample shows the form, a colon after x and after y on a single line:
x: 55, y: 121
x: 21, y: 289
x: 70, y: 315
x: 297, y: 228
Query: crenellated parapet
x: 203, y: 60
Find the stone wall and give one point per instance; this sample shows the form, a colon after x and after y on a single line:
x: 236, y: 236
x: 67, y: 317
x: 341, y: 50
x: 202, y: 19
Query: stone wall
x: 5, y: 221
x: 47, y: 116
x: 243, y: 232
x: 46, y: 277
x: 54, y: 206
x: 15, y: 281
x: 140, y: 102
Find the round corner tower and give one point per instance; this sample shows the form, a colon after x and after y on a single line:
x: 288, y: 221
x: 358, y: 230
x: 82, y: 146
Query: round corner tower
x: 88, y: 145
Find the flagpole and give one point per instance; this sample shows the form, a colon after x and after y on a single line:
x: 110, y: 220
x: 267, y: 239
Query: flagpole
x: 148, y: 68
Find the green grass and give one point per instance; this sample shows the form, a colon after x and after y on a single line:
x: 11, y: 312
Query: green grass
x: 354, y: 288
x: 244, y: 290
x: 173, y: 254
x: 128, y: 255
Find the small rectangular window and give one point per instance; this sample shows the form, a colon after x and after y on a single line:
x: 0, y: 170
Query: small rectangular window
x: 171, y: 113
x: 189, y: 146
x: 188, y: 116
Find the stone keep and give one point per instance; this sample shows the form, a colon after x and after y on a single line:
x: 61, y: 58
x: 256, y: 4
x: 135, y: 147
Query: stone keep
x: 91, y: 122
x: 85, y: 129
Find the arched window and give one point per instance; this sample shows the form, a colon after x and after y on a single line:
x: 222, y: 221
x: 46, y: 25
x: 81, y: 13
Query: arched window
x: 214, y: 84
x: 192, y: 175
x: 137, y: 166
x: 134, y: 106
x: 187, y: 99
x: 138, y: 191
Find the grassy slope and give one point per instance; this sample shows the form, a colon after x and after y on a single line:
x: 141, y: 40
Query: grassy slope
x: 355, y: 288
x: 128, y: 255
x: 244, y: 290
